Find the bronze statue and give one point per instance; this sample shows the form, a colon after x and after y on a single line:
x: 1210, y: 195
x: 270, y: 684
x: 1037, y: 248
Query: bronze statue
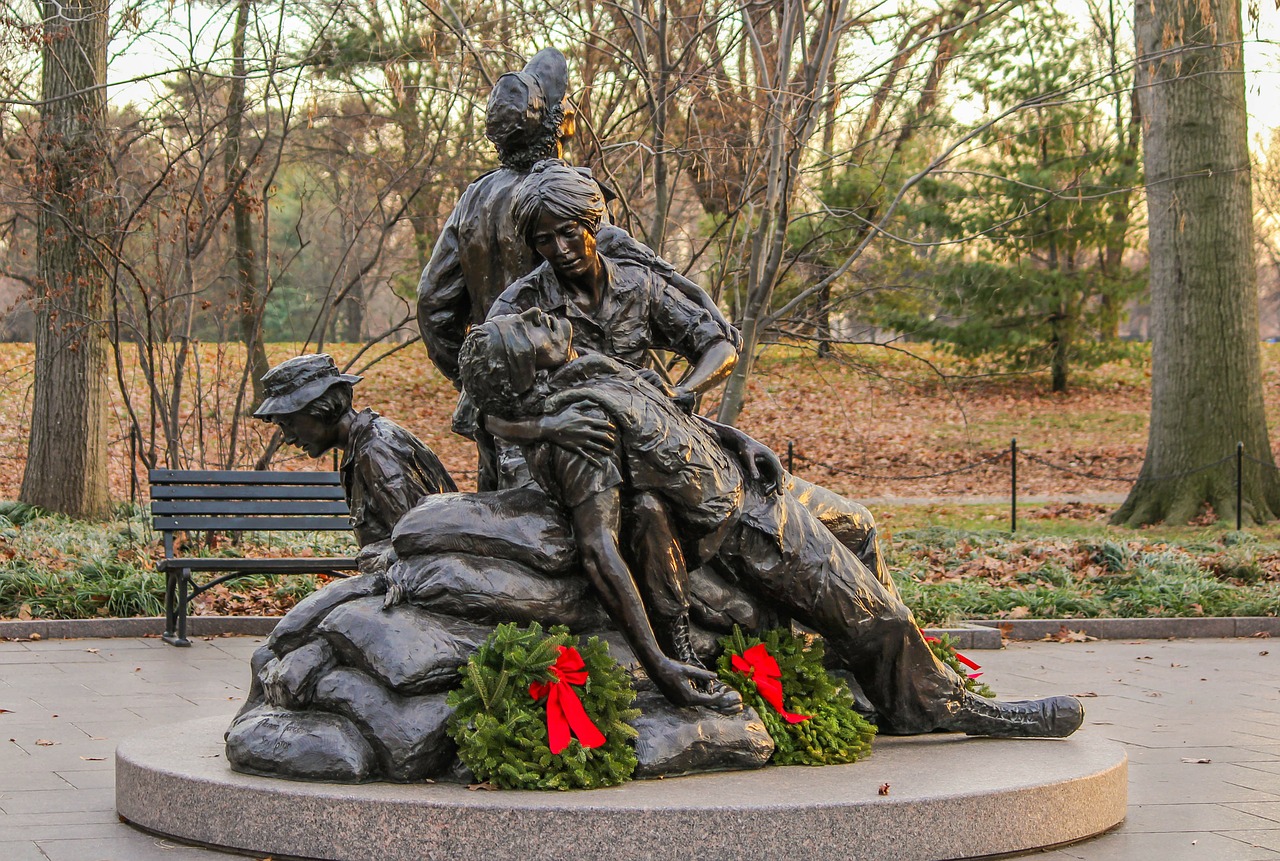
x: 524, y: 365
x: 479, y: 252
x: 622, y: 306
x: 385, y: 470
x: 613, y: 505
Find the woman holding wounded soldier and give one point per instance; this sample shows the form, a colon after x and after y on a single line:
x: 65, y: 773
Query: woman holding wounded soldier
x: 624, y: 303
x: 522, y: 366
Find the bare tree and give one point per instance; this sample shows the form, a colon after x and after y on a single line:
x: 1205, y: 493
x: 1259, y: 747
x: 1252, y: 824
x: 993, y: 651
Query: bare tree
x: 252, y: 300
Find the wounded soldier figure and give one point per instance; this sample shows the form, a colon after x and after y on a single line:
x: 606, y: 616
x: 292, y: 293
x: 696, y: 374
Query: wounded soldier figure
x: 751, y: 532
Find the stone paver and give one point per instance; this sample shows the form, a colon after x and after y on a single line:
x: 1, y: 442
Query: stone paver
x: 1171, y: 703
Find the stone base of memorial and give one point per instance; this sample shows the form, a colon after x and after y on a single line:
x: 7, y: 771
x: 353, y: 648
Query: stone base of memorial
x: 947, y: 797
x: 343, y: 747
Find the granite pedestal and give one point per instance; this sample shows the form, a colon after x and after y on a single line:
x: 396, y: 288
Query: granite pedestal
x: 947, y: 797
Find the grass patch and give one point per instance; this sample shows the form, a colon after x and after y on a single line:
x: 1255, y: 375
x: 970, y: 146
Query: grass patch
x: 53, y: 567
x: 951, y: 564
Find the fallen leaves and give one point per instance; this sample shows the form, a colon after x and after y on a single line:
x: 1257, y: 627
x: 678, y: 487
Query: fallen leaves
x: 925, y: 422
x: 1066, y: 635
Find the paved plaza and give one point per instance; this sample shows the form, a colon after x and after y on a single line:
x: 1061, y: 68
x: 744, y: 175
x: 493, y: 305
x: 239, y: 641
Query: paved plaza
x: 1200, y: 720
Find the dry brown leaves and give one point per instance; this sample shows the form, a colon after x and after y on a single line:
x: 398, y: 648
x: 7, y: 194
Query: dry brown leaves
x: 858, y: 425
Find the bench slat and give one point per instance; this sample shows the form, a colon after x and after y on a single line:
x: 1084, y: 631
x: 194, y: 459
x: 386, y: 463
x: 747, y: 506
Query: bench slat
x: 244, y: 491
x: 168, y: 523
x: 239, y: 476
x: 256, y: 507
x: 292, y: 564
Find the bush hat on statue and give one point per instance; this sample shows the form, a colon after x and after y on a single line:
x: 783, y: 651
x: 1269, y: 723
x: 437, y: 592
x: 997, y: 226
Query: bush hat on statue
x: 519, y: 102
x: 296, y: 382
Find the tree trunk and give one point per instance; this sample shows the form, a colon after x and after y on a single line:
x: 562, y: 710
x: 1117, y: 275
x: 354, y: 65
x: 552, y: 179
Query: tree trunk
x: 1060, y: 362
x: 792, y: 117
x: 67, y: 451
x: 252, y: 302
x: 1206, y: 385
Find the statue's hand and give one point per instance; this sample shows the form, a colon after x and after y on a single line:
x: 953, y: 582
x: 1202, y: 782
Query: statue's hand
x: 579, y: 429
x: 760, y: 463
x: 687, y: 685
x: 685, y: 399
x: 653, y: 378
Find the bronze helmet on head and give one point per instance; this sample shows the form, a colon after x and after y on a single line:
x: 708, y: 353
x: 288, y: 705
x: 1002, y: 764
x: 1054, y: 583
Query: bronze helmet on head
x: 296, y: 382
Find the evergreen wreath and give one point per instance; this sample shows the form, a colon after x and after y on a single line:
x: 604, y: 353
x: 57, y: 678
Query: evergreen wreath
x: 834, y: 732
x: 944, y: 649
x: 501, y: 730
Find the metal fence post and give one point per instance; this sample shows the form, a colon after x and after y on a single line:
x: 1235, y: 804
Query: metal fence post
x: 1239, y: 485
x: 133, y: 466
x: 1013, y: 484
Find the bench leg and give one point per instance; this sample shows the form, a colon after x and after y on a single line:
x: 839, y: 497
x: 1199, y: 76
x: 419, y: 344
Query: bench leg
x: 175, y: 608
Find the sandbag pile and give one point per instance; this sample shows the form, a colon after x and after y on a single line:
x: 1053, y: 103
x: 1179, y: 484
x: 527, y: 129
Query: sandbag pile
x: 351, y: 685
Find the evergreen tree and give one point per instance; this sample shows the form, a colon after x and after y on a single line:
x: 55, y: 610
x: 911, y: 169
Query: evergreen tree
x: 1036, y: 210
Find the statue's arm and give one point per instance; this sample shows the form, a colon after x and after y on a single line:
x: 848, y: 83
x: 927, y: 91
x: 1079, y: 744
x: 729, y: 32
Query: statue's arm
x: 710, y: 369
x: 444, y: 305
x: 596, y: 524
x: 757, y: 459
x: 578, y: 428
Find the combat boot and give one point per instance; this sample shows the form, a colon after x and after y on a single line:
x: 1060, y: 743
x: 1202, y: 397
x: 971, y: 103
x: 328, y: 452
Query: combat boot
x: 1054, y: 717
x: 679, y: 641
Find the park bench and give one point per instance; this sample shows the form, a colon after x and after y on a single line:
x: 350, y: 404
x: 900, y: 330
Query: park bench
x: 239, y: 501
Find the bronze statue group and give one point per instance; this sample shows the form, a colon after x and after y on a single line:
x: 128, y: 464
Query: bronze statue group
x: 545, y: 316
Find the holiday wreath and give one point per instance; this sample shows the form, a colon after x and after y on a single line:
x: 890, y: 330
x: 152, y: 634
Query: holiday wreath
x: 818, y: 724
x: 944, y: 649
x: 541, y: 711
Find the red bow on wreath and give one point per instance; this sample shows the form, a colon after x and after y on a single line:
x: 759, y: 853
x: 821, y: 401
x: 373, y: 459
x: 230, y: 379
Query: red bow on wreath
x: 760, y: 667
x: 565, y: 713
x: 968, y: 662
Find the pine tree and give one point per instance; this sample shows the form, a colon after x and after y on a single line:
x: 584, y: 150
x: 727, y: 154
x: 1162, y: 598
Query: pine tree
x: 1042, y: 206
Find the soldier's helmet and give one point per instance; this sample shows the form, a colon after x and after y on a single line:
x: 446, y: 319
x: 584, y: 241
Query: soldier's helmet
x: 296, y: 382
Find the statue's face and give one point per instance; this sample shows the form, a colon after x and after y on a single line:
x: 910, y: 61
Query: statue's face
x: 306, y: 432
x: 566, y: 244
x: 552, y: 338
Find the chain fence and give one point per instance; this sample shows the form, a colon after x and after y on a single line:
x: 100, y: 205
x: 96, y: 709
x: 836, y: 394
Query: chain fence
x: 1013, y: 454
